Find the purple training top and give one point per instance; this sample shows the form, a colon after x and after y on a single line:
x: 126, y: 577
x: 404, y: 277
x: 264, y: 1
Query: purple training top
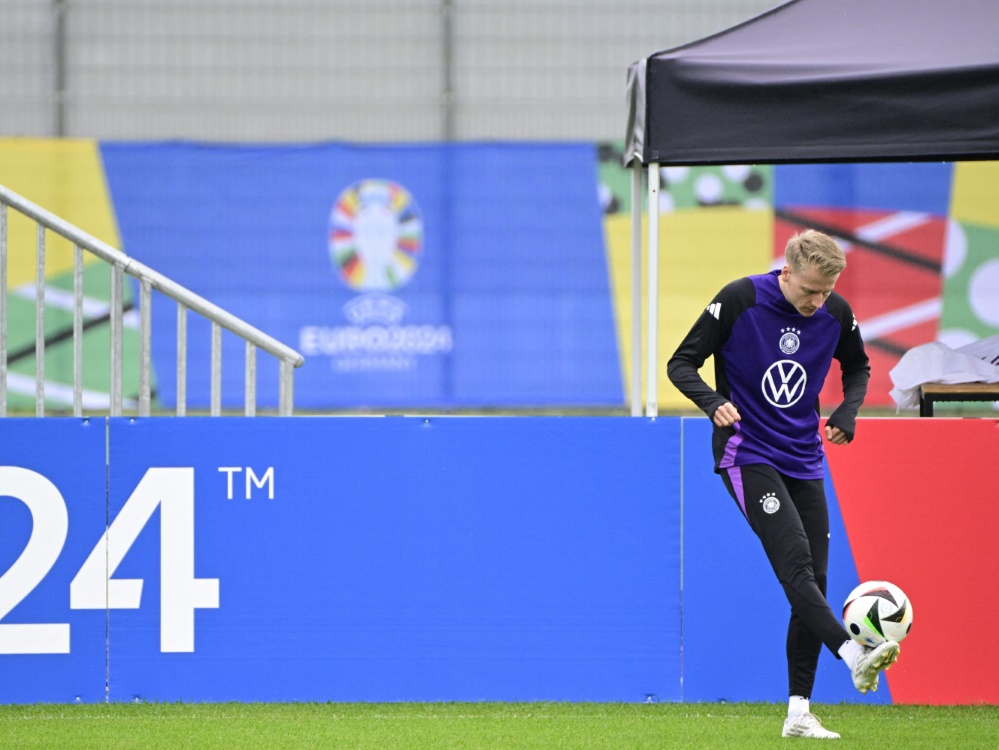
x: 771, y: 362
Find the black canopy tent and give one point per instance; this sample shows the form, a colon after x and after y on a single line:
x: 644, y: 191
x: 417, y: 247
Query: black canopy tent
x: 826, y: 80
x: 813, y: 81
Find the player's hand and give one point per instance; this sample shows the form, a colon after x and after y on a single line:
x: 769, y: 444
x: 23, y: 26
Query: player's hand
x: 726, y: 415
x: 836, y: 436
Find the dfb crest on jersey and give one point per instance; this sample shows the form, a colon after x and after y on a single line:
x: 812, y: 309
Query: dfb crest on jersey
x: 789, y: 341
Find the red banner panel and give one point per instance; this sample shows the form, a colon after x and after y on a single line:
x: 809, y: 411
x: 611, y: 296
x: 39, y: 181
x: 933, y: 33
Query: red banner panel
x: 920, y: 501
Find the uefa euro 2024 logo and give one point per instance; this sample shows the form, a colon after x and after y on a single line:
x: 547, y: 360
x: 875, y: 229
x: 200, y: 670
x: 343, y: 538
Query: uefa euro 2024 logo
x: 375, y: 236
x: 375, y: 243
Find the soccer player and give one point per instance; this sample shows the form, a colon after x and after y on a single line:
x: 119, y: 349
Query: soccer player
x: 773, y: 338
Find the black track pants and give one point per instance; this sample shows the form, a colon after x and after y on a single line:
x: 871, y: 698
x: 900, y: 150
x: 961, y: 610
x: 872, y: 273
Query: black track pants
x: 791, y: 519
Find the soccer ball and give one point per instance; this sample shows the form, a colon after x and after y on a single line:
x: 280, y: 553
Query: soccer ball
x: 877, y: 611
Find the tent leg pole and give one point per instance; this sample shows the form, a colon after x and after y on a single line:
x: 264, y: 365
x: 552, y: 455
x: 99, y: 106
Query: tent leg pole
x: 636, y: 289
x: 652, y: 348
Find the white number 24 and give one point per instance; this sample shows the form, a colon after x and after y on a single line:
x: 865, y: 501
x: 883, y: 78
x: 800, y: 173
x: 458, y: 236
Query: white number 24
x: 169, y: 489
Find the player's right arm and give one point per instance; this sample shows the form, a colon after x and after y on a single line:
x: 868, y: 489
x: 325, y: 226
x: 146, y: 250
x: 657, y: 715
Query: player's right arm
x: 726, y: 415
x: 709, y: 332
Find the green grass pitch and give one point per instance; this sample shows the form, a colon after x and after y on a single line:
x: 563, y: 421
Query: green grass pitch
x: 484, y: 726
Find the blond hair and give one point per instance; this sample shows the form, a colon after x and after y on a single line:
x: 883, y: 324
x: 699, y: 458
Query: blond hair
x: 815, y: 249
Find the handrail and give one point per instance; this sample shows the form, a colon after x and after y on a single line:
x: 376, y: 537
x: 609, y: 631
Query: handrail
x: 158, y: 281
x: 151, y: 279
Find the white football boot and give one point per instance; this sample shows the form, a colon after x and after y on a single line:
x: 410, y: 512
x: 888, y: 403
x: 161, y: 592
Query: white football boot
x: 871, y: 662
x: 807, y: 725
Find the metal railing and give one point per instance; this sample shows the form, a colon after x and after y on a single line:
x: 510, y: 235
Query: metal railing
x: 121, y: 264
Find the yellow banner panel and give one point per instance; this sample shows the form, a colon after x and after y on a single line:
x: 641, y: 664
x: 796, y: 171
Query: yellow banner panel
x: 700, y: 251
x: 65, y: 177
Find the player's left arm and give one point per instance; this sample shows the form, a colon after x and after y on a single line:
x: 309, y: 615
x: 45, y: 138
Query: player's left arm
x: 842, y: 423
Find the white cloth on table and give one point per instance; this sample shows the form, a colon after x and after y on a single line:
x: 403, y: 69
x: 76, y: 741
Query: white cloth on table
x: 977, y: 362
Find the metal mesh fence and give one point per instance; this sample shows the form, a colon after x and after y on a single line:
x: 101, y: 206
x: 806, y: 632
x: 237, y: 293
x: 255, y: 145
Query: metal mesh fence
x: 356, y: 70
x: 27, y: 68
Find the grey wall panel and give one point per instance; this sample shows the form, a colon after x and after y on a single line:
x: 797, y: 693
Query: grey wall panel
x: 358, y: 70
x: 27, y: 72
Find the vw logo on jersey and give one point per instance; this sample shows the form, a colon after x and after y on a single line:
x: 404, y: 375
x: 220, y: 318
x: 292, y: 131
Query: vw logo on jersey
x: 784, y: 383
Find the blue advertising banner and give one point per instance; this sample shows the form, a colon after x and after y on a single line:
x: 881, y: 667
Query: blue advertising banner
x: 398, y: 558
x: 444, y: 275
x: 903, y: 186
x: 52, y: 512
x: 395, y: 559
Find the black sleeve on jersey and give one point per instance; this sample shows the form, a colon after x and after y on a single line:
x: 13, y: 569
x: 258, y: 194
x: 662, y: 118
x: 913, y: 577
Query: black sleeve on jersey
x: 854, y: 363
x: 709, y: 332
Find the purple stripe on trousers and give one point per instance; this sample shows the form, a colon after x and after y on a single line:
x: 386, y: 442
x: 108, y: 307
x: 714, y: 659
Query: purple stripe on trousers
x: 728, y: 458
x: 735, y: 477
